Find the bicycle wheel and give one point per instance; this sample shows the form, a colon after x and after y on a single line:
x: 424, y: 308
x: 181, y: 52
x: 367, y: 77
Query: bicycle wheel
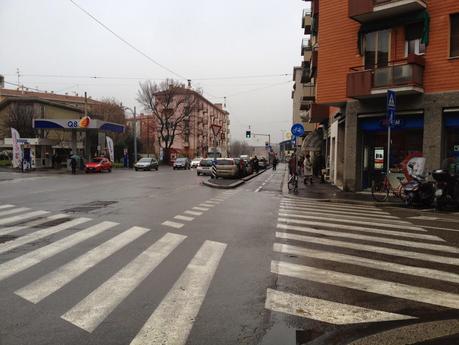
x: 291, y: 183
x: 380, y: 191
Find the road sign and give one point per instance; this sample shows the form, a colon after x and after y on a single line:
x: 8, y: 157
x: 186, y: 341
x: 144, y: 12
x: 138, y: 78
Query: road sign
x: 297, y: 129
x: 391, y: 106
x: 216, y: 129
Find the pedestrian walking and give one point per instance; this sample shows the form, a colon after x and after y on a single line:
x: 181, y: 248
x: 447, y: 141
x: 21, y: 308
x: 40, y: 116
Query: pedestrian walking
x: 300, y: 166
x: 256, y: 164
x: 308, y: 170
x: 275, y: 162
x: 73, y: 165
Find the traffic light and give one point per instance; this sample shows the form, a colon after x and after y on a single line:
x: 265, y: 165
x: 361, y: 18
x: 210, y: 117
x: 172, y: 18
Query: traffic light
x: 248, y: 134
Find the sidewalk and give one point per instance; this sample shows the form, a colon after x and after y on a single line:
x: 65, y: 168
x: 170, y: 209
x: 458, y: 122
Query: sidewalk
x: 329, y: 192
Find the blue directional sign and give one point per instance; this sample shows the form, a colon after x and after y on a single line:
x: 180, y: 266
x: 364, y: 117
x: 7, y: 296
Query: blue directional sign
x: 297, y: 130
x: 391, y: 107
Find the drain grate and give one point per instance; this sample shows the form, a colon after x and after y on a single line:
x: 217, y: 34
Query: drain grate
x: 92, y: 206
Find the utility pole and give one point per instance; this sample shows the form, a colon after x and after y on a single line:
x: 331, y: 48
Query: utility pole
x: 135, y: 135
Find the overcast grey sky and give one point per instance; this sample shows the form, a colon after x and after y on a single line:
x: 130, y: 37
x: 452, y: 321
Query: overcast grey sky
x: 200, y: 39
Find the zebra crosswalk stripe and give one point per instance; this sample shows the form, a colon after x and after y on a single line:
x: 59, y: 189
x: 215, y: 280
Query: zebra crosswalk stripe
x: 13, y: 211
x: 172, y: 321
x: 8, y: 230
x: 193, y: 213
x: 385, y: 240
x: 365, y: 262
x: 319, y: 209
x: 94, y: 308
x: 382, y: 287
x: 325, y: 311
x: 21, y: 263
x: 16, y: 219
x: 2, y: 207
x: 41, y: 234
x: 347, y: 215
x: 370, y: 248
x: 53, y: 281
x: 333, y: 205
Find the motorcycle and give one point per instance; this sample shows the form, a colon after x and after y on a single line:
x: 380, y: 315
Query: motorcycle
x: 419, y: 191
x: 447, y: 189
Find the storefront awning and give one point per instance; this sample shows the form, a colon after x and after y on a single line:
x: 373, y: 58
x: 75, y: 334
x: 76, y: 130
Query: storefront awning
x: 313, y: 141
x: 78, y: 124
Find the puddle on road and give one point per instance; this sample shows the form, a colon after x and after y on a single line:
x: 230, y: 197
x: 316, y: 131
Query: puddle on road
x: 7, y: 238
x: 92, y: 206
x: 280, y: 333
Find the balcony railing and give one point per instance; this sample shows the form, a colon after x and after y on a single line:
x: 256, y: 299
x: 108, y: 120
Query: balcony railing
x: 405, y: 76
x: 306, y: 22
x: 365, y: 11
x: 305, y: 46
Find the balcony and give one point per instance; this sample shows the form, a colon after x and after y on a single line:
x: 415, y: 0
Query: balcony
x: 365, y: 11
x: 308, y: 96
x: 306, y: 22
x: 316, y: 113
x: 306, y: 72
x: 306, y: 46
x: 406, y: 77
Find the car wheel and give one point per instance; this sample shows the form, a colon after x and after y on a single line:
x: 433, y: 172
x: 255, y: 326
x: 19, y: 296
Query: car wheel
x: 136, y: 169
x: 156, y: 168
x: 109, y: 170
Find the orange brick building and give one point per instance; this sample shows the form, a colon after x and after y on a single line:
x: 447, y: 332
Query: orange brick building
x: 363, y: 48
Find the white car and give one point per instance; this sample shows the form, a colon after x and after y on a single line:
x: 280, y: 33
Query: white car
x: 195, y: 162
x: 204, y: 167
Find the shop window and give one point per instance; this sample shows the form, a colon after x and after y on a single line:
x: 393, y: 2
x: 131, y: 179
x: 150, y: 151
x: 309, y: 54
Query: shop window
x: 454, y: 35
x: 413, y: 39
x: 376, y: 52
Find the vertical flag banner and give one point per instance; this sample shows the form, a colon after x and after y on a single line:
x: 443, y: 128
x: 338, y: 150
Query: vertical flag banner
x: 17, y: 152
x: 111, y: 150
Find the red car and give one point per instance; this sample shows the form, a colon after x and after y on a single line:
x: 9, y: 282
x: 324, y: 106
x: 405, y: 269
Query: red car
x: 98, y: 164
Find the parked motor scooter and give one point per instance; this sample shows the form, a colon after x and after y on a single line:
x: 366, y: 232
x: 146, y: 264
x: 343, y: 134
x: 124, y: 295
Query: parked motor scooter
x: 419, y: 191
x: 447, y: 189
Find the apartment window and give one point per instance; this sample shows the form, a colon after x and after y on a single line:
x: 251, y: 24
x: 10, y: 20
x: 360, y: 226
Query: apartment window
x: 376, y: 51
x: 454, y: 43
x: 413, y: 39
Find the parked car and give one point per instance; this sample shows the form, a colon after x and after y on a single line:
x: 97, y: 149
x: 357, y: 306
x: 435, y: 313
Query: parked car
x: 204, y: 167
x: 98, y: 164
x: 146, y: 164
x: 195, y: 162
x: 181, y: 163
x: 262, y: 163
x: 227, y: 167
x: 248, y: 166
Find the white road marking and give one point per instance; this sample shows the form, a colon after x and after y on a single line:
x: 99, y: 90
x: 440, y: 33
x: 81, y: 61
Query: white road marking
x: 15, y: 219
x: 258, y: 189
x: 200, y: 208
x: 382, y: 287
x: 349, y: 212
x: 350, y: 227
x: 438, y: 228
x: 13, y: 211
x: 94, y: 308
x: 212, y: 202
x: 424, y: 218
x: 8, y: 230
x: 32, y: 258
x: 2, y: 207
x: 364, y: 262
x: 346, y: 215
x: 370, y: 248
x: 206, y: 205
x: 217, y: 199
x: 185, y: 218
x: 172, y: 321
x: 325, y: 311
x: 53, y: 281
x: 172, y: 224
x: 330, y: 205
x: 384, y: 240
x: 193, y: 213
x: 7, y: 246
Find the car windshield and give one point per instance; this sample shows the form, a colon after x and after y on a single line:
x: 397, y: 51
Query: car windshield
x: 205, y: 163
x: 96, y: 160
x: 145, y: 160
x: 180, y: 160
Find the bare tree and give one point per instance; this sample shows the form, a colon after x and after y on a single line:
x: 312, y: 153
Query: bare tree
x: 239, y: 147
x: 20, y: 117
x: 173, y: 107
x: 110, y: 110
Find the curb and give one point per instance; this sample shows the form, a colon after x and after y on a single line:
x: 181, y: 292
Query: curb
x: 230, y: 186
x: 235, y: 184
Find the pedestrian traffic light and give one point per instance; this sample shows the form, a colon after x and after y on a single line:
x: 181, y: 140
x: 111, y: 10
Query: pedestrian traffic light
x: 248, y: 134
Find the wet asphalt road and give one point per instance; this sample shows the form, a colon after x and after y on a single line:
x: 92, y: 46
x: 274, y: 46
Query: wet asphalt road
x: 413, y: 296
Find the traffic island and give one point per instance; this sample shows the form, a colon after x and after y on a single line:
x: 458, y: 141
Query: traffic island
x: 230, y: 183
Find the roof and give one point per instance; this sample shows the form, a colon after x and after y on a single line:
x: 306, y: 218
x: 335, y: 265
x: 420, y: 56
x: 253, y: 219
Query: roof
x: 45, y: 95
x: 9, y: 100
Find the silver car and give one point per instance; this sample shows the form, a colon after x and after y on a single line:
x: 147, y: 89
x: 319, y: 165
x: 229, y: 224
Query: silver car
x: 205, y: 167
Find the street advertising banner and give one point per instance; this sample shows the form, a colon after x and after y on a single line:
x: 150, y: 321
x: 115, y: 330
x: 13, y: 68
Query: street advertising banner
x: 17, y: 152
x: 111, y: 151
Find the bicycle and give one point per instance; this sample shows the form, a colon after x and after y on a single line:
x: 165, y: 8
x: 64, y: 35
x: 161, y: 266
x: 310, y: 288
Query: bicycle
x: 293, y: 183
x: 381, y: 189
